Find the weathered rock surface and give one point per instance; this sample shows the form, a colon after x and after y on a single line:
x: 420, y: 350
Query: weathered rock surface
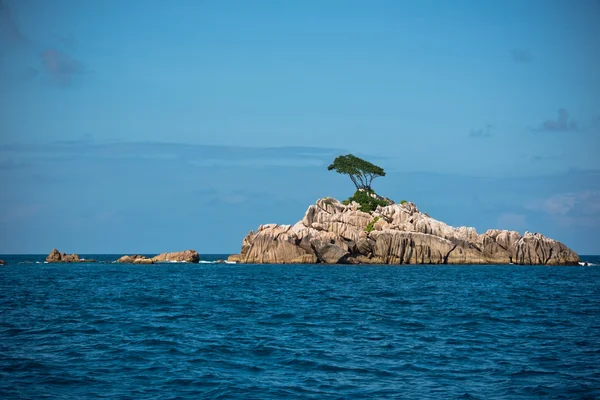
x: 132, y: 259
x: 2, y: 262
x: 333, y: 233
x: 190, y: 256
x: 56, y: 256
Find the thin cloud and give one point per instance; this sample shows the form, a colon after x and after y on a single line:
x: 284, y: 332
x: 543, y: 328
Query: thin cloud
x: 539, y: 158
x: 484, y: 132
x: 28, y: 74
x: 10, y: 165
x: 68, y: 41
x: 10, y: 34
x: 583, y: 203
x: 192, y: 154
x: 521, y: 56
x: 561, y: 124
x: 61, y: 67
x: 512, y: 221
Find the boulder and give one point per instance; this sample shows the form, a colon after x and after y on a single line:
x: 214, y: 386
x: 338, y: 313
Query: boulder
x: 143, y: 260
x: 332, y: 233
x: 535, y: 249
x: 190, y: 256
x: 2, y: 262
x: 130, y: 259
x: 236, y: 258
x: 56, y: 256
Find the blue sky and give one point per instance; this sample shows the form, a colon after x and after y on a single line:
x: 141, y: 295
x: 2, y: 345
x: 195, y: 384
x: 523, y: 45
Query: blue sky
x: 150, y: 126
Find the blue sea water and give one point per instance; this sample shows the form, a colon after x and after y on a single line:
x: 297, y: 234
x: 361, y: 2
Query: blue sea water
x: 222, y: 331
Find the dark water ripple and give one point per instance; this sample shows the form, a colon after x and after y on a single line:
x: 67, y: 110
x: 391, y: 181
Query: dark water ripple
x: 260, y: 332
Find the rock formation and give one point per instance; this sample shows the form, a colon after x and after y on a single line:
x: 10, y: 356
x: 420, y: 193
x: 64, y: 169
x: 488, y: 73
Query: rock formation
x: 2, y: 262
x: 333, y: 233
x: 56, y: 256
x: 190, y: 256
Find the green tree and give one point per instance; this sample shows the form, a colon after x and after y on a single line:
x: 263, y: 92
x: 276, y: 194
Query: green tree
x: 361, y: 172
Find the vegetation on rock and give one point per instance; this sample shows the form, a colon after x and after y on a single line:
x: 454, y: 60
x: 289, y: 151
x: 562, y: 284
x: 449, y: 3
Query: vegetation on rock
x: 371, y: 225
x: 367, y: 199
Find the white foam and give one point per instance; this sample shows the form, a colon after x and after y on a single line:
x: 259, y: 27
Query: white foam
x: 589, y: 264
x: 206, y: 262
x: 230, y: 262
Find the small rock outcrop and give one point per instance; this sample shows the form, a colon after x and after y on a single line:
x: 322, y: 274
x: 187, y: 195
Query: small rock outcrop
x: 333, y: 233
x: 2, y: 262
x: 132, y: 259
x: 56, y: 256
x: 189, y: 256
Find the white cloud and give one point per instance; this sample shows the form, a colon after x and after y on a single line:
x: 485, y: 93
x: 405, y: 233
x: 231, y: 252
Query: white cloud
x: 511, y: 221
x: 585, y: 203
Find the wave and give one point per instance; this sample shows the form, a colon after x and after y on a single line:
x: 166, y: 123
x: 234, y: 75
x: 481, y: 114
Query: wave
x: 216, y: 262
x: 587, y: 264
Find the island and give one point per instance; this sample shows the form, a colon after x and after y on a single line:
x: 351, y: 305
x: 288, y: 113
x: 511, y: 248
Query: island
x: 371, y: 229
x: 56, y: 256
x: 186, y: 256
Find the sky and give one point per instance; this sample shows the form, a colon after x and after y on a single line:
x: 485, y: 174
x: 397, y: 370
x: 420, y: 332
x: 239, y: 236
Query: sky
x: 150, y: 126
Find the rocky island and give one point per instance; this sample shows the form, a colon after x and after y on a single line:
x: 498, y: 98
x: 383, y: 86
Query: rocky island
x: 189, y: 256
x: 334, y: 233
x: 370, y: 229
x: 56, y: 256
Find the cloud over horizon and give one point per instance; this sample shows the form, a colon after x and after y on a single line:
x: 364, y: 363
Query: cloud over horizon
x: 561, y: 124
x: 573, y: 209
x: 61, y: 67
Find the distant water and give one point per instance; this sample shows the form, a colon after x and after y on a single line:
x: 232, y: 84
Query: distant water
x: 170, y: 331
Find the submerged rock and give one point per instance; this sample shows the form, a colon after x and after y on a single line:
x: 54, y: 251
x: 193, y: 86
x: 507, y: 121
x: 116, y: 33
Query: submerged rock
x: 2, y: 262
x: 333, y: 233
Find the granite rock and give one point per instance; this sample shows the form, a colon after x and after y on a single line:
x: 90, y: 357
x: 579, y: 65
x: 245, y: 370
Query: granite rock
x: 333, y: 233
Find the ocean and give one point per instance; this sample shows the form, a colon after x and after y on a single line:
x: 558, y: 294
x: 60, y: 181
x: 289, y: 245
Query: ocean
x: 233, y: 331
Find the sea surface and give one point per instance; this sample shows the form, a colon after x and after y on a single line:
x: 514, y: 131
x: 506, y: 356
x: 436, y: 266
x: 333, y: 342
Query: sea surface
x: 225, y: 331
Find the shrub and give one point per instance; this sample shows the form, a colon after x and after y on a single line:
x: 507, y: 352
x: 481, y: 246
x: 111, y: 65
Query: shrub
x: 366, y: 201
x: 371, y: 225
x: 403, y: 201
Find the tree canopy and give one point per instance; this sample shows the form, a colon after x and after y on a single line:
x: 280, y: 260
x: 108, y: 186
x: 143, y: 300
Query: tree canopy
x: 361, y: 172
